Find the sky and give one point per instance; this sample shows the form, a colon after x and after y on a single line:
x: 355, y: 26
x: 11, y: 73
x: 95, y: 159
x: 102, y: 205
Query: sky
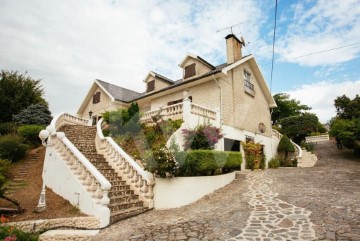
x: 68, y: 44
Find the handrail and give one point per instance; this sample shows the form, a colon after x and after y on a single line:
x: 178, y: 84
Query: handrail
x: 145, y: 175
x: 55, y: 123
x: 195, y: 109
x: 105, y: 184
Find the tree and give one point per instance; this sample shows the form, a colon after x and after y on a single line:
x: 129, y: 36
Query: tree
x: 346, y: 124
x: 286, y: 146
x: 347, y: 108
x: 297, y: 127
x: 38, y: 114
x: 17, y: 92
x: 286, y: 107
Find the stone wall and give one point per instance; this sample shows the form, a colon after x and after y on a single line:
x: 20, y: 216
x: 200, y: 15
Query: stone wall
x: 43, y: 224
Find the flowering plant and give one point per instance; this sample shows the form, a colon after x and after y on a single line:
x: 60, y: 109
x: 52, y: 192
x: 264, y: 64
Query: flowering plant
x: 202, y: 137
x: 9, y: 233
x: 161, y: 162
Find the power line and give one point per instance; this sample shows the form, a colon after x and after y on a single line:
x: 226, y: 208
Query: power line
x: 273, y: 49
x: 327, y: 50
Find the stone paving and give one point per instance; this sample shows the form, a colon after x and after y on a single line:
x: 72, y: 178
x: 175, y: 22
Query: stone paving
x: 271, y: 217
x: 317, y: 203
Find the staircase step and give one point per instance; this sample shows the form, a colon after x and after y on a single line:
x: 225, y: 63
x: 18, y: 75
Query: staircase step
x: 123, y: 199
x: 124, y: 192
x: 73, y: 235
x: 117, y: 216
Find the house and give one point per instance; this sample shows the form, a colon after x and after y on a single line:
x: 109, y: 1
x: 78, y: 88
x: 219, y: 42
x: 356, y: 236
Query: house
x: 235, y: 90
x: 99, y: 177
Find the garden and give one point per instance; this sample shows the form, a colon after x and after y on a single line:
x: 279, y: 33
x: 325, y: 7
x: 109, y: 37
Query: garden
x: 147, y: 144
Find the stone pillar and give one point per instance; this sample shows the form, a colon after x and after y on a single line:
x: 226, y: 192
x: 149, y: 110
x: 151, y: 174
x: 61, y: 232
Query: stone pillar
x: 187, y: 110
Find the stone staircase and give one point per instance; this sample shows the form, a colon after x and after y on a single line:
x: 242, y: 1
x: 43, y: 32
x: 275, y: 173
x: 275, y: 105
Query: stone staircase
x: 308, y: 159
x: 123, y: 202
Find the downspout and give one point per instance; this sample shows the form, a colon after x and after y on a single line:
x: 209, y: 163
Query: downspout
x: 217, y: 82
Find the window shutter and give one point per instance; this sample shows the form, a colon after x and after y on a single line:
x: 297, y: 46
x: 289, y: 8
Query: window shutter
x: 96, y: 98
x: 189, y: 71
x: 150, y: 86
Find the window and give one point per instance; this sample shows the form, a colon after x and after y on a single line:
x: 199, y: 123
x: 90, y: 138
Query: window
x: 189, y: 71
x: 231, y: 145
x: 178, y: 101
x: 150, y: 86
x: 249, y: 87
x: 249, y: 139
x: 96, y: 97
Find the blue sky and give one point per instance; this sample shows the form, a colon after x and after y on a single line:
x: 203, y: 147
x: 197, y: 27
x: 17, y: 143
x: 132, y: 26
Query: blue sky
x: 68, y: 44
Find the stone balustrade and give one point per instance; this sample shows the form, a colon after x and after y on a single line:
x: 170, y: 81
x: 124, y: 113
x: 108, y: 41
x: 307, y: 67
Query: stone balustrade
x: 179, y: 111
x: 66, y: 119
x: 202, y: 111
x: 141, y: 181
x: 80, y: 166
x: 317, y: 138
x: 167, y: 112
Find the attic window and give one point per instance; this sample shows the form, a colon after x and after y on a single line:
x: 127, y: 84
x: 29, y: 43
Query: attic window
x: 150, y: 86
x: 96, y: 97
x: 189, y: 71
x: 248, y: 86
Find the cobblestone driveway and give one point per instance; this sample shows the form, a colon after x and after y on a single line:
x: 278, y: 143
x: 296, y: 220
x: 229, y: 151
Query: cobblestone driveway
x: 324, y: 199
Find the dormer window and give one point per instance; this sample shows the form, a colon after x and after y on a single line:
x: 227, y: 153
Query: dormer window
x: 96, y: 97
x: 248, y: 86
x: 150, y: 86
x: 189, y: 71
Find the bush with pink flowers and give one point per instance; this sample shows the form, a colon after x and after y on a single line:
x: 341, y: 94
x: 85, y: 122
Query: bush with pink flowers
x: 202, y: 137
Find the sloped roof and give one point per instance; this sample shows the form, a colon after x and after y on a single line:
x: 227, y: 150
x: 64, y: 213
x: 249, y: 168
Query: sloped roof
x: 119, y: 93
x: 163, y: 78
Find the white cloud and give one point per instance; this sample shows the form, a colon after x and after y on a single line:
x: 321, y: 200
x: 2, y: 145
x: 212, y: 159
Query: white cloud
x: 325, y: 25
x: 320, y: 96
x: 70, y: 43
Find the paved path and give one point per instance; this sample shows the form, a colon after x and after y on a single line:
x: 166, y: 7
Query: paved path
x: 318, y: 203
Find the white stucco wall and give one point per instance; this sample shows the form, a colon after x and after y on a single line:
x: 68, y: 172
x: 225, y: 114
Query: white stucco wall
x: 60, y: 179
x: 270, y: 144
x: 180, y: 191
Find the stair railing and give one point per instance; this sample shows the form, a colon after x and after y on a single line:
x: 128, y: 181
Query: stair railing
x: 141, y: 181
x: 94, y: 182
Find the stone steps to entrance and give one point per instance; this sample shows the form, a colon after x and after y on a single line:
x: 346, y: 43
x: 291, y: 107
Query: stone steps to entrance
x: 65, y: 235
x: 123, y: 202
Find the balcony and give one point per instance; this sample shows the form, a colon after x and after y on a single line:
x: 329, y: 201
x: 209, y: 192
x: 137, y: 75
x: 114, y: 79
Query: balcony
x: 187, y: 111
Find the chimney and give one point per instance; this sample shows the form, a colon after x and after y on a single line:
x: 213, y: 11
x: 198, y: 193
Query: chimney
x: 233, y: 48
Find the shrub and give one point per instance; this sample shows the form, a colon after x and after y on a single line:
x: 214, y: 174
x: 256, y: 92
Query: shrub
x: 274, y: 163
x: 250, y: 161
x: 9, y: 233
x: 30, y: 134
x: 11, y: 148
x: 286, y: 146
x: 37, y: 114
x: 4, y: 165
x: 309, y: 146
x: 206, y: 162
x: 7, y: 128
x: 202, y: 137
x: 161, y: 162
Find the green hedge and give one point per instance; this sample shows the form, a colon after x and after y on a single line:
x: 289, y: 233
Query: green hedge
x: 7, y: 128
x: 30, y: 134
x: 11, y: 148
x: 207, y: 162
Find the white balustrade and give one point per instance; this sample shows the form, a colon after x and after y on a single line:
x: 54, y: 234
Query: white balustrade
x: 141, y: 181
x: 167, y: 112
x: 202, y: 111
x: 82, y: 167
x: 66, y: 119
x: 317, y: 138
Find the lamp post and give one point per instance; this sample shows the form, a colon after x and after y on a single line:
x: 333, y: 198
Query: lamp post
x: 90, y: 118
x: 44, y: 135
